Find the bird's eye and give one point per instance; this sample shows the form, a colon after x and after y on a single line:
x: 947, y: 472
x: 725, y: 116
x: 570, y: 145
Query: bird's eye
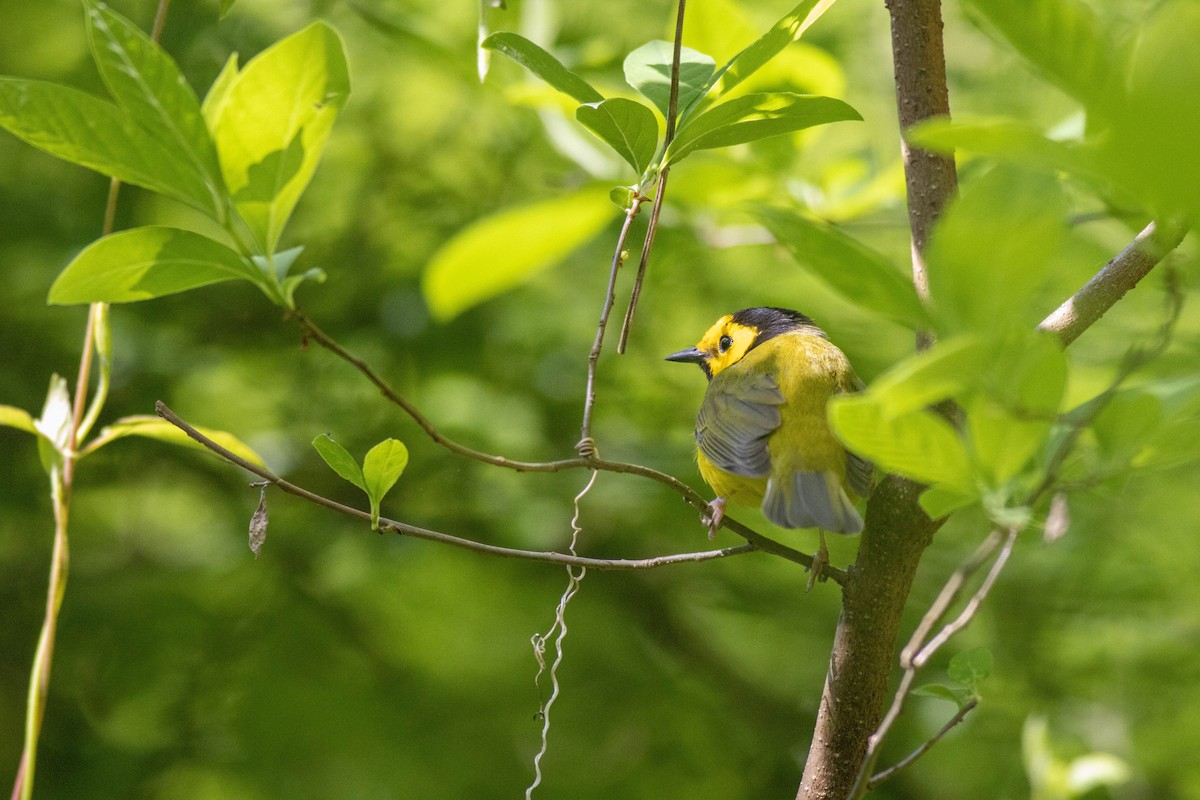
x: 724, y: 344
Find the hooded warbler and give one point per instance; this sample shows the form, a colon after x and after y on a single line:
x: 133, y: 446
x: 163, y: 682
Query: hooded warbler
x: 761, y: 434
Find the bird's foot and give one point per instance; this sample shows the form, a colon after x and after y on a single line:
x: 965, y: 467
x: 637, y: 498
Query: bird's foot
x: 713, y: 517
x: 819, y: 562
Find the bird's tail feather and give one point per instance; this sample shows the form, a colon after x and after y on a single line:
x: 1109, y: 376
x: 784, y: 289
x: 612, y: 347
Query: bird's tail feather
x: 811, y: 500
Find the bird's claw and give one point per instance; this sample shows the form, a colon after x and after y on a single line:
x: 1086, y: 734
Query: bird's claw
x: 713, y: 517
x: 819, y: 562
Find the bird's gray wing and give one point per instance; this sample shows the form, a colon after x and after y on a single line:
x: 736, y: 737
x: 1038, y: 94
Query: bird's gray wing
x: 738, y: 414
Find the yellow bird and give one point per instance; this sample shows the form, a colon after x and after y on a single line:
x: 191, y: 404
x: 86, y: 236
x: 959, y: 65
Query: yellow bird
x: 762, y: 436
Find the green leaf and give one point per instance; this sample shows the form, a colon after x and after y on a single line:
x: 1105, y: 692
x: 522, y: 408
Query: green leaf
x: 627, y: 127
x: 971, y: 667
x: 918, y: 445
x: 96, y: 134
x: 218, y: 93
x: 857, y: 273
x: 938, y: 501
x: 648, y: 69
x: 941, y: 691
x: 787, y: 30
x: 990, y: 248
x: 225, y: 6
x: 931, y: 376
x: 145, y: 81
x: 271, y: 124
x: 756, y: 116
x: 143, y: 263
x: 340, y: 460
x: 151, y: 427
x: 497, y: 253
x: 383, y: 466
x: 542, y: 64
x: 18, y: 418
x: 1063, y: 39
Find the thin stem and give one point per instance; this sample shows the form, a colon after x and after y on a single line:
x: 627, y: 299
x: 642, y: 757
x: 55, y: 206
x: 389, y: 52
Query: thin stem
x: 925, y: 747
x: 668, y: 137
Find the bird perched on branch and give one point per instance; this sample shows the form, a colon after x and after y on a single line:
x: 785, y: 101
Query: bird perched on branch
x: 761, y: 434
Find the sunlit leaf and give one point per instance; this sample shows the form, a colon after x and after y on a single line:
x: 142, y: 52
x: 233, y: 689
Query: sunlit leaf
x: 18, y: 418
x: 627, y: 127
x: 498, y: 253
x: 145, y: 81
x: 339, y: 460
x: 756, y: 116
x: 143, y: 263
x: 218, y: 93
x: 383, y: 466
x: 152, y: 427
x: 938, y: 501
x: 918, y: 445
x: 85, y: 130
x: 648, y: 69
x: 930, y: 376
x: 271, y: 124
x: 860, y: 275
x: 542, y: 64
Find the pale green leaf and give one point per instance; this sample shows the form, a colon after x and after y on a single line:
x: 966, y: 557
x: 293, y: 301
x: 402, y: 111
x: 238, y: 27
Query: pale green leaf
x: 143, y: 263
x: 627, y: 127
x: 931, y: 376
x: 971, y: 667
x: 938, y: 501
x: 756, y: 116
x: 498, y: 253
x: 18, y: 418
x: 340, y: 460
x: 145, y: 81
x: 218, y: 93
x: 857, y: 273
x: 941, y: 691
x: 382, y: 467
x: 542, y: 64
x: 152, y: 427
x: 85, y: 130
x: 918, y: 445
x: 648, y: 69
x: 272, y: 122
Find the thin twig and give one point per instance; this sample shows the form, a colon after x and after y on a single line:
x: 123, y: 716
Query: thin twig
x: 404, y: 529
x: 883, y: 775
x: 661, y: 193
x: 693, y: 498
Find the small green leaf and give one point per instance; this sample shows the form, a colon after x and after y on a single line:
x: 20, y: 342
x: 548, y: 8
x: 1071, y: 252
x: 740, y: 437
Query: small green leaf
x: 627, y: 127
x: 622, y: 197
x: 383, y: 466
x: 18, y: 418
x: 918, y: 445
x: 971, y: 667
x: 648, y: 69
x: 756, y: 116
x: 857, y: 273
x: 272, y: 122
x: 145, y: 81
x: 542, y: 64
x: 340, y: 460
x: 143, y: 263
x: 85, y: 130
x: 938, y: 501
x: 497, y: 253
x: 152, y: 427
x: 941, y: 691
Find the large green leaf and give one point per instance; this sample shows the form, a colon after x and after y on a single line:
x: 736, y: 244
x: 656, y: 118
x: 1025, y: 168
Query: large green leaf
x: 990, y: 249
x: 918, y: 445
x: 145, y: 81
x: 756, y: 116
x: 271, y: 122
x: 648, y: 69
x: 85, y: 130
x: 143, y: 263
x: 627, y: 127
x: 542, y: 64
x: 926, y: 378
x: 497, y: 253
x: 859, y: 274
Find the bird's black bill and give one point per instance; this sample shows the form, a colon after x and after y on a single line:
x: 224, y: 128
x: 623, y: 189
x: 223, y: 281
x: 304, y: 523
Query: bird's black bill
x: 692, y: 355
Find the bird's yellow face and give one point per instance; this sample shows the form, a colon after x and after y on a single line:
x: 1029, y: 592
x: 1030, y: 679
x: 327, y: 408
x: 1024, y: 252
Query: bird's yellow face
x: 724, y: 344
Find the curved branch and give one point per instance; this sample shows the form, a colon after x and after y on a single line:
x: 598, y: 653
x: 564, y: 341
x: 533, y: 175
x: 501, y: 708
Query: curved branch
x: 404, y: 529
x: 1119, y: 275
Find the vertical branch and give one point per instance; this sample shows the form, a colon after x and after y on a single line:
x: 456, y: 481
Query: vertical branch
x: 897, y: 530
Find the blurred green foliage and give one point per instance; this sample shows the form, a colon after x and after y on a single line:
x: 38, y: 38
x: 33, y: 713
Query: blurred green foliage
x: 342, y: 664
